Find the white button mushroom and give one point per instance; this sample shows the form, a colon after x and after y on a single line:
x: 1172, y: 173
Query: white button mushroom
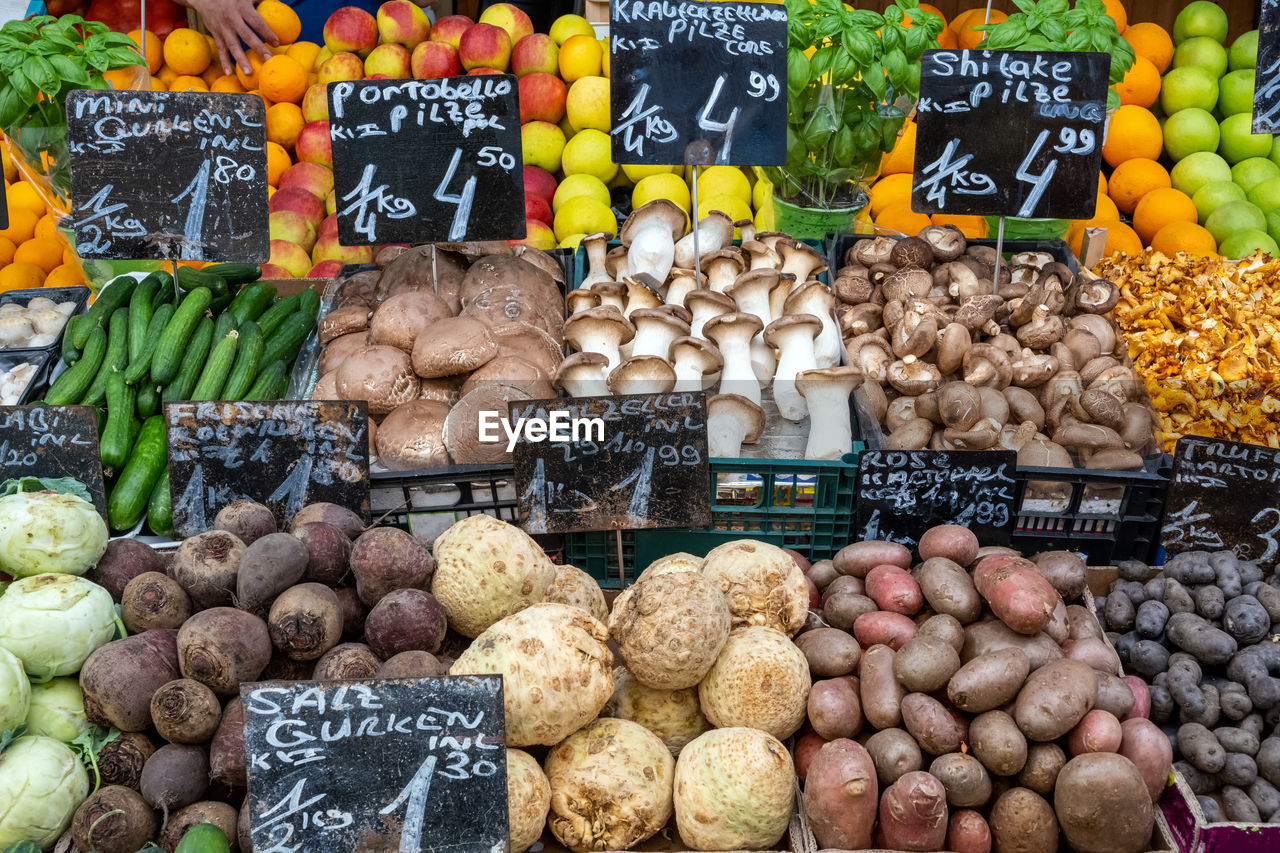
x: 732, y: 334
x: 715, y: 231
x: 732, y: 421
x: 793, y: 337
x: 826, y: 391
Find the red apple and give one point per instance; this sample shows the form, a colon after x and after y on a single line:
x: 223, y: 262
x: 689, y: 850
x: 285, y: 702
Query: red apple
x: 478, y: 71
x: 352, y: 29
x: 433, y: 59
x: 537, y: 182
x: 402, y: 22
x: 535, y: 52
x: 313, y: 143
x: 290, y: 257
x: 325, y: 269
x: 538, y: 235
x: 315, y: 103
x: 298, y: 200
x: 329, y: 249
x: 292, y: 226
x: 485, y: 46
x: 537, y: 209
x: 542, y: 97
x: 510, y: 18
x: 450, y: 28
x: 315, y: 178
x: 389, y: 60
x: 340, y: 68
x: 275, y: 271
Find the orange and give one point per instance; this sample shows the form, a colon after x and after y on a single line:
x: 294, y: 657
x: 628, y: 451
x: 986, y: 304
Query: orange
x: 10, y: 168
x: 891, y: 189
x: 305, y: 52
x: 267, y: 104
x: 282, y: 19
x: 1133, y: 179
x: 1118, y: 14
x: 65, y: 275
x: 969, y: 36
x: 249, y: 81
x: 947, y: 40
x: 903, y: 156
x: 900, y: 217
x: 1152, y: 43
x: 972, y: 227
x: 21, y: 276
x: 1184, y: 237
x: 6, y: 250
x: 1106, y: 209
x: 1141, y: 84
x: 27, y: 197
x: 187, y: 83
x: 580, y: 56
x: 122, y: 78
x: 1102, y: 184
x: 282, y: 79
x: 44, y: 252
x: 22, y: 225
x: 284, y: 123
x: 1133, y: 132
x: 1160, y: 207
x: 277, y: 161
x: 69, y: 256
x: 187, y: 51
x: 167, y: 75
x: 227, y: 83
x: 47, y: 226
x: 1120, y: 237
x: 158, y: 85
x: 152, y: 51
x: 211, y: 74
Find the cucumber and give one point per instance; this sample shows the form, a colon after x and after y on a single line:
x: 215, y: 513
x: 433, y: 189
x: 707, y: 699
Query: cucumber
x: 189, y: 279
x: 276, y: 314
x: 177, y: 335
x: 252, y: 301
x: 248, y: 359
x: 192, y: 363
x: 148, y: 399
x: 68, y: 388
x: 203, y: 838
x: 288, y: 339
x: 165, y: 292
x: 146, y: 463
x: 271, y: 383
x: 141, y: 307
x: 234, y: 273
x: 109, y: 299
x: 114, y: 443
x: 140, y: 365
x: 309, y: 303
x: 160, y: 507
x: 71, y: 353
x: 214, y: 375
x: 116, y: 360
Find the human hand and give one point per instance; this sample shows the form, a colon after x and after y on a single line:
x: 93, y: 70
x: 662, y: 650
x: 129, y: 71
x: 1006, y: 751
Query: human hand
x: 232, y: 22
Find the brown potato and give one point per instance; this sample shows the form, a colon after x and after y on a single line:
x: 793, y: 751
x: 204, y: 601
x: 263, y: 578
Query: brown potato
x: 946, y: 628
x: 989, y: 681
x: 842, y: 609
x: 1081, y: 624
x: 895, y: 753
x: 983, y: 638
x: 1058, y: 629
x: 1098, y: 731
x: 952, y: 541
x: 1102, y: 804
x: 1044, y: 762
x: 925, y: 664
x: 1095, y: 652
x: 881, y: 692
x: 1114, y: 694
x: 829, y: 651
x: 965, y: 779
x: 1022, y: 821
x: 1142, y: 742
x: 834, y: 709
x: 949, y: 589
x: 861, y: 557
x: 998, y: 743
x: 931, y: 724
x: 1055, y: 698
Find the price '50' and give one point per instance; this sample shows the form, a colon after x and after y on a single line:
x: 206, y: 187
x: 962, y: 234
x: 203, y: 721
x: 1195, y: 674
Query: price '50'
x: 488, y: 156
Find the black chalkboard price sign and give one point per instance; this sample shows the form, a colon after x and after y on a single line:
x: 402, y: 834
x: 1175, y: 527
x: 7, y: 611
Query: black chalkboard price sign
x: 1224, y: 495
x: 902, y: 493
x: 698, y: 83
x: 1010, y: 133
x: 627, y: 462
x: 283, y: 454
x: 418, y: 161
x: 4, y: 206
x: 168, y: 175
x: 382, y: 766
x: 54, y: 442
x: 1266, y: 88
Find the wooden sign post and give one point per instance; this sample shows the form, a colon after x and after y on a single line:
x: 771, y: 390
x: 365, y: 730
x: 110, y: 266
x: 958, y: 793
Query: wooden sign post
x: 1266, y: 87
x: 54, y: 442
x: 407, y: 766
x: 168, y: 175
x: 284, y: 455
x: 902, y: 493
x: 1224, y: 495
x: 417, y: 161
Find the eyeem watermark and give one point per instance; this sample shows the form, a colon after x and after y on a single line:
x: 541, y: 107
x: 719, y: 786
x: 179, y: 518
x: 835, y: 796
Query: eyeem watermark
x: 558, y: 428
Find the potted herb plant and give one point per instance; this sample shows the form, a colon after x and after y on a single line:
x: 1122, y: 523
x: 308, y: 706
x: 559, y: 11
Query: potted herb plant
x: 42, y: 59
x: 853, y: 77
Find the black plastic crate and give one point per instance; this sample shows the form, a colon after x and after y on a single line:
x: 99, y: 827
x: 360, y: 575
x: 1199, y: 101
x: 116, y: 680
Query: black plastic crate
x: 41, y: 359
x: 426, y: 502
x: 77, y: 294
x: 839, y: 244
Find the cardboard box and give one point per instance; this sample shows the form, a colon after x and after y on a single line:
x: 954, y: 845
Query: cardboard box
x: 1193, y: 832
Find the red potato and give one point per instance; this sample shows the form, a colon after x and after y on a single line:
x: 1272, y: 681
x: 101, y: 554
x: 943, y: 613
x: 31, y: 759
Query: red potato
x: 845, y: 583
x: 807, y: 746
x: 883, y: 628
x: 834, y: 709
x: 952, y: 541
x: 967, y: 832
x: 881, y: 693
x: 1095, y: 652
x: 800, y: 559
x: 1098, y: 731
x: 841, y: 794
x: 894, y: 590
x: 1017, y: 593
x: 861, y: 557
x: 932, y: 724
x: 913, y: 813
x: 815, y: 595
x: 1141, y: 698
x: 1143, y: 743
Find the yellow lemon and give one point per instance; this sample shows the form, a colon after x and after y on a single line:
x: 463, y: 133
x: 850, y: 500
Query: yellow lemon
x: 639, y: 173
x: 583, y: 215
x: 666, y: 186
x: 575, y: 186
x: 566, y: 26
x: 723, y: 180
x: 571, y: 242
x: 762, y: 190
x: 588, y: 104
x: 588, y: 153
x: 731, y: 205
x: 604, y: 56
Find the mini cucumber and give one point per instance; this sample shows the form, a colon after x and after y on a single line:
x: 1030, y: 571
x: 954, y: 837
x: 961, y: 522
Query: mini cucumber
x: 141, y: 308
x: 192, y: 363
x: 176, y: 337
x: 160, y: 507
x: 70, y: 353
x: 288, y: 339
x: 109, y: 299
x: 224, y: 323
x: 276, y: 314
x: 248, y: 359
x: 234, y: 273
x: 116, y: 360
x: 252, y: 301
x: 148, y: 402
x: 271, y: 383
x: 214, y: 375
x: 114, y: 444
x: 68, y: 388
x: 309, y: 303
x: 189, y: 279
x: 133, y: 488
x: 140, y: 365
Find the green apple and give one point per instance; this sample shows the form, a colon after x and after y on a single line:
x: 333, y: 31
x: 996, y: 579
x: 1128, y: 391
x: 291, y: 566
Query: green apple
x: 1204, y: 52
x: 1235, y: 92
x: 1189, y: 131
x: 1186, y: 87
x: 1274, y: 156
x: 1266, y: 195
x: 1201, y: 18
x: 1239, y: 142
x: 1244, y: 51
x: 1233, y: 217
x: 1250, y: 172
x: 1214, y: 195
x: 1246, y: 242
x: 1203, y: 167
x: 1273, y: 226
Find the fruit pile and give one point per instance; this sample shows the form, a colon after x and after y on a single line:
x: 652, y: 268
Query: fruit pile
x: 33, y: 253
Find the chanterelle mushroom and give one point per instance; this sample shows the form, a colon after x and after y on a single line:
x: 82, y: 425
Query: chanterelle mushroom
x: 732, y: 334
x: 601, y: 330
x: 694, y: 361
x: 650, y: 235
x: 826, y: 392
x: 642, y: 374
x: 715, y: 231
x: 793, y: 337
x: 732, y: 421
x: 583, y: 375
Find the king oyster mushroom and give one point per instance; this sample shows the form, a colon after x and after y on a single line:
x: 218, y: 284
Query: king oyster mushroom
x: 650, y: 235
x: 793, y: 337
x: 715, y: 231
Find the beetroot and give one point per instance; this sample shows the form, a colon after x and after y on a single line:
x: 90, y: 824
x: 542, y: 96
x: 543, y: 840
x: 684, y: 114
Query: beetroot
x: 339, y: 516
x: 328, y: 550
x: 385, y: 559
x: 123, y: 561
x: 223, y: 647
x: 405, y: 620
x: 248, y: 521
x: 119, y: 678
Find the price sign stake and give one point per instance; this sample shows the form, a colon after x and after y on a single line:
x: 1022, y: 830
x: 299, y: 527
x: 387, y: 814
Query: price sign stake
x: 1266, y: 89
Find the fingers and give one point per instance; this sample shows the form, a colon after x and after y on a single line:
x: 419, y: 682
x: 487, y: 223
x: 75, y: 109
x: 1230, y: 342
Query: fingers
x: 260, y: 25
x: 249, y: 37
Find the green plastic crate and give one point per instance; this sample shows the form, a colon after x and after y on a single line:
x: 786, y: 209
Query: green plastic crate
x: 800, y: 504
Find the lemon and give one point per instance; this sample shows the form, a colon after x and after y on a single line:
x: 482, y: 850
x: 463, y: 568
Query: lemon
x: 587, y: 106
x: 604, y: 57
x: 571, y: 242
x: 565, y: 26
x: 666, y: 186
x: 620, y: 181
x: 639, y: 173
x: 588, y: 153
x: 543, y: 144
x: 730, y: 205
x: 583, y: 215
x: 761, y: 191
x: 580, y: 185
x: 723, y: 180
